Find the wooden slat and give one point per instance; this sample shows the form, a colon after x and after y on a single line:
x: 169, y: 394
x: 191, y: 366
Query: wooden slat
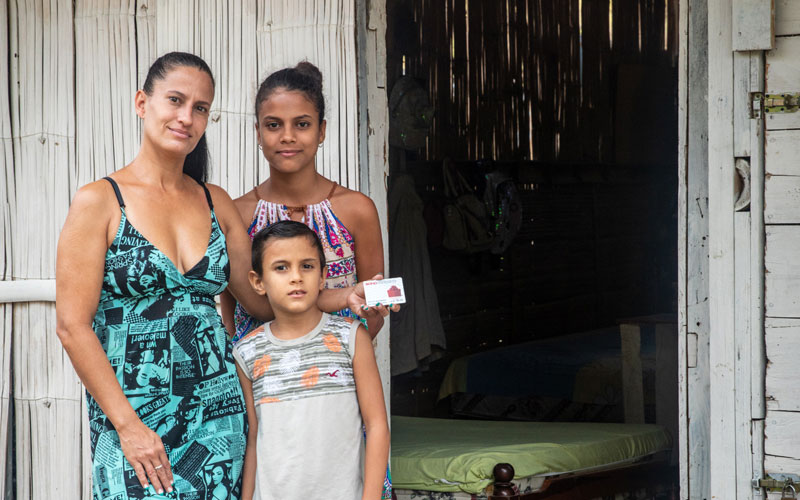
x: 781, y: 199
x: 378, y: 162
x: 781, y: 151
x: 721, y: 247
x: 787, y: 17
x: 782, y: 282
x: 783, y: 349
x: 753, y: 27
x: 783, y: 75
x: 782, y: 440
x: 743, y: 369
x: 695, y: 467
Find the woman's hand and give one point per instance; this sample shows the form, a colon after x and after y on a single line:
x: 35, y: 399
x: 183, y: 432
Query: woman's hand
x: 145, y: 452
x: 357, y: 302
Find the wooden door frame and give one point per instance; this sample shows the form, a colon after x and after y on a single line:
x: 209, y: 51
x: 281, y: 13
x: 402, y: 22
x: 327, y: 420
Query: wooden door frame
x: 373, y: 143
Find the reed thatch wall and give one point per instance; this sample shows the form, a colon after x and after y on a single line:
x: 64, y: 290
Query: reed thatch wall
x: 70, y: 70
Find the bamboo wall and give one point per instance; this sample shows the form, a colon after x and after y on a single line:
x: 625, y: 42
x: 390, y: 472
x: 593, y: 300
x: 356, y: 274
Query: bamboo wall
x: 67, y: 118
x: 527, y: 79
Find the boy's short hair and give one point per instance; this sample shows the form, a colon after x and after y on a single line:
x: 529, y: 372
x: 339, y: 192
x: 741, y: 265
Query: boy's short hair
x: 284, y: 229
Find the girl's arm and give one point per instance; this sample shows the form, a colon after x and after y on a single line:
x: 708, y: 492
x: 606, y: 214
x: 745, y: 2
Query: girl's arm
x: 227, y: 305
x: 249, y: 470
x: 239, y: 255
x: 373, y: 411
x: 80, y: 263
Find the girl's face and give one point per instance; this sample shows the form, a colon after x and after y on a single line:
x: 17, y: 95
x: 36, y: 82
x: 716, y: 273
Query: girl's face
x: 289, y: 131
x: 176, y: 114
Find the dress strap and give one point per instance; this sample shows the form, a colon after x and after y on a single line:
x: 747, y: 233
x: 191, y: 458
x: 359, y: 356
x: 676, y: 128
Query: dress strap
x: 116, y: 191
x: 333, y: 188
x: 208, y: 195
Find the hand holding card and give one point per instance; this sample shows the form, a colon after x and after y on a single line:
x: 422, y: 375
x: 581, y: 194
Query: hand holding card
x: 385, y: 292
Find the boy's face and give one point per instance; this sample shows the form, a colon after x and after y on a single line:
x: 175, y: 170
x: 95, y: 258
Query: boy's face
x: 292, y: 275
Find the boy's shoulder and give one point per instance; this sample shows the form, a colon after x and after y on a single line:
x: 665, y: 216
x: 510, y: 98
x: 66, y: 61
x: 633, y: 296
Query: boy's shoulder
x: 252, y: 343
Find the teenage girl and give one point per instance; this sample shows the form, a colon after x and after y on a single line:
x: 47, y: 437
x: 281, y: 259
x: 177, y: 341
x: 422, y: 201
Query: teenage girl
x: 290, y: 128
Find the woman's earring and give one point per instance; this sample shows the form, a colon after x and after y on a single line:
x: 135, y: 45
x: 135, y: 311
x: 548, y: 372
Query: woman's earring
x: 320, y: 144
x: 259, y: 146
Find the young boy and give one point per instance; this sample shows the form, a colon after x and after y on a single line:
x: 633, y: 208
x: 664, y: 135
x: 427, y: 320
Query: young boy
x: 309, y: 380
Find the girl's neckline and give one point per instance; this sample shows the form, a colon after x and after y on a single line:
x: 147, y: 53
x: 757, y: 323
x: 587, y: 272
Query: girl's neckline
x: 300, y: 208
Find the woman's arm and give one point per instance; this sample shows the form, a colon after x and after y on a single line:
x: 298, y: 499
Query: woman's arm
x: 80, y: 262
x: 239, y: 256
x: 373, y: 411
x: 250, y: 460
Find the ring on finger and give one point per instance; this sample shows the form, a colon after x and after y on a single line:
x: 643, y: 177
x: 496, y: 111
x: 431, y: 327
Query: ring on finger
x: 158, y: 466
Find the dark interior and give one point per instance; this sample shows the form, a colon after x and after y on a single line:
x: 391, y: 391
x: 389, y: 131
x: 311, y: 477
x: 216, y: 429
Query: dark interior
x: 576, y: 103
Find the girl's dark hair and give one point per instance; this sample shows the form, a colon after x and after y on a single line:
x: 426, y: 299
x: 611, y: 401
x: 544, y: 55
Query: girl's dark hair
x: 284, y: 229
x: 305, y: 78
x: 196, y: 163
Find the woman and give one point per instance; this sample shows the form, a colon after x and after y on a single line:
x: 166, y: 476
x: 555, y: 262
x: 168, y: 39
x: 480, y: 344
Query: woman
x: 140, y: 258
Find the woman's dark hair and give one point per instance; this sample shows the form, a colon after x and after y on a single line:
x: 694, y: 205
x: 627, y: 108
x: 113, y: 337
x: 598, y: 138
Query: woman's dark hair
x: 284, y: 229
x: 196, y: 163
x: 305, y: 78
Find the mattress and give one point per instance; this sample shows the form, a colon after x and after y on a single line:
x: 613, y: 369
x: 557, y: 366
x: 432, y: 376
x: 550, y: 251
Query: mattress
x: 442, y: 455
x: 583, y: 367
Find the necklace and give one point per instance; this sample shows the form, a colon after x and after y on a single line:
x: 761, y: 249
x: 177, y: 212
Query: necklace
x: 301, y: 208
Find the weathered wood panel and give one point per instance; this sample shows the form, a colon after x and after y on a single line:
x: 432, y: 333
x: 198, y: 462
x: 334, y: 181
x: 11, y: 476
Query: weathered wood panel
x: 694, y: 465
x: 782, y: 441
x: 742, y: 371
x: 783, y: 75
x: 782, y: 183
x: 781, y: 151
x: 753, y: 26
x: 787, y: 17
x: 721, y: 245
x: 783, y: 346
x: 782, y: 281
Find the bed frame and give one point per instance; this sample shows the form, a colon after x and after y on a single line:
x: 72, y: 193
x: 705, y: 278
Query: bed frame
x: 603, y: 483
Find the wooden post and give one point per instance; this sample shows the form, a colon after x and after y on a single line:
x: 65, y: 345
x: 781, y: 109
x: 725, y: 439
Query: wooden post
x: 721, y: 249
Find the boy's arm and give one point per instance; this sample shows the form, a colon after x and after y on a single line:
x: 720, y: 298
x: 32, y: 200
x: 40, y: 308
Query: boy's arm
x: 249, y: 470
x: 373, y: 411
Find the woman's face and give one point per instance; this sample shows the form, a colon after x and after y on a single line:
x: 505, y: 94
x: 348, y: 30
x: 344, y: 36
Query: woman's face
x: 289, y: 130
x: 176, y: 114
x: 217, y: 474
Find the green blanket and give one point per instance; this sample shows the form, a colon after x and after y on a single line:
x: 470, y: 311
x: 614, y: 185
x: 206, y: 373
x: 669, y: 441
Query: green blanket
x: 459, y: 455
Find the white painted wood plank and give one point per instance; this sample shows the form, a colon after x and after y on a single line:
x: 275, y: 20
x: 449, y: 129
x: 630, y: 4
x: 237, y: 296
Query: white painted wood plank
x: 782, y: 438
x: 377, y: 147
x: 757, y: 458
x: 753, y: 27
x: 683, y: 241
x: 782, y: 199
x: 778, y: 464
x: 787, y: 17
x: 696, y: 484
x: 781, y: 151
x: 783, y: 351
x: 632, y: 393
x: 741, y: 104
x: 742, y: 373
x: 783, y: 75
x: 782, y: 281
x: 721, y: 246
x: 757, y: 168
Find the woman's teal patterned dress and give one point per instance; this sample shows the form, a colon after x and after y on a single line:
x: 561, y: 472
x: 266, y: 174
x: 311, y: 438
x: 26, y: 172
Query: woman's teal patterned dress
x: 166, y: 343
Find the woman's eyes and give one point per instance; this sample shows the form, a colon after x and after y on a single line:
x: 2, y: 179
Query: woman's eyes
x: 308, y: 266
x: 303, y: 124
x: 202, y: 109
x: 280, y: 268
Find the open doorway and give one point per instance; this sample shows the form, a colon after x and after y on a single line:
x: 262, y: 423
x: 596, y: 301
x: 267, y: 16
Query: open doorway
x: 535, y: 142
